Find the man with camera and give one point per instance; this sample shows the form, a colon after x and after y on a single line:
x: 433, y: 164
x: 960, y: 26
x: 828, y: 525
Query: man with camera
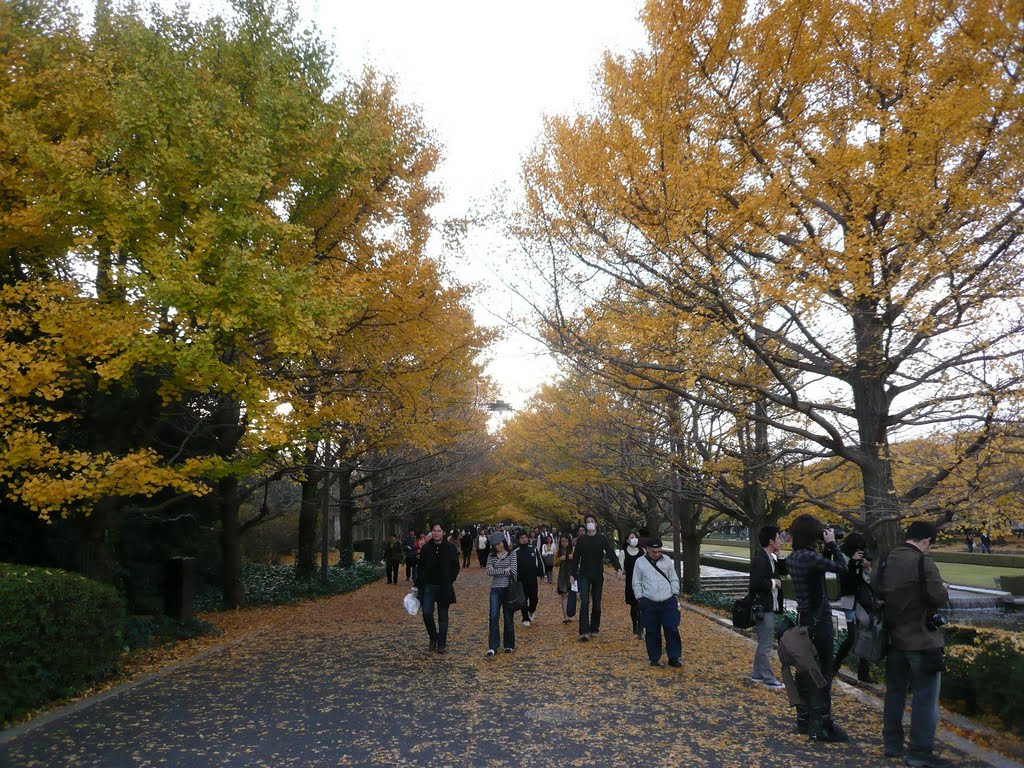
x: 766, y: 588
x: 909, y: 583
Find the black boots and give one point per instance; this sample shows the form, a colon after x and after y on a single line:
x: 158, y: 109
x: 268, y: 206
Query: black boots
x: 802, y: 719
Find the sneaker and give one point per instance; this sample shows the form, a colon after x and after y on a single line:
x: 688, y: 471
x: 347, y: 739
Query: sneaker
x: 531, y: 617
x: 757, y: 678
x: 774, y: 684
x: 655, y: 663
x: 593, y: 633
x: 894, y: 752
x: 490, y: 651
x: 509, y: 650
x: 675, y: 663
x: 442, y: 649
x: 584, y: 638
x: 526, y: 623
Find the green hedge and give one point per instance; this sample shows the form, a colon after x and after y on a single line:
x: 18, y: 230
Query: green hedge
x: 1012, y: 584
x: 977, y: 558
x: 60, y: 631
x: 984, y: 673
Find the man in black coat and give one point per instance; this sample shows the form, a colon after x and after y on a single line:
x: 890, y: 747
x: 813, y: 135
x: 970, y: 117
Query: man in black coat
x: 529, y: 567
x: 766, y: 588
x: 438, y: 569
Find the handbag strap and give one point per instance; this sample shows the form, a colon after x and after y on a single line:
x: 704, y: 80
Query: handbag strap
x: 655, y: 566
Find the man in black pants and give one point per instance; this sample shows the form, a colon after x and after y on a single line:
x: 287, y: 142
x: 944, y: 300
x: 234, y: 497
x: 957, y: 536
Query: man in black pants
x: 468, y: 542
x: 439, y: 567
x: 529, y: 567
x: 588, y: 569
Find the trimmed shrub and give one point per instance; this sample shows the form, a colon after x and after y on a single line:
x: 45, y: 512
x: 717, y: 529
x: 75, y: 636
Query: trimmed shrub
x: 984, y: 673
x: 977, y: 558
x: 60, y: 631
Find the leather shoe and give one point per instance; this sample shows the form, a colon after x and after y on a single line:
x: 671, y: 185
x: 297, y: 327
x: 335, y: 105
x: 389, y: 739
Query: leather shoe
x: 931, y: 761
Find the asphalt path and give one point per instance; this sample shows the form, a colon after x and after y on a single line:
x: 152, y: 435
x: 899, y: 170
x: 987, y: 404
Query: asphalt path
x: 349, y: 681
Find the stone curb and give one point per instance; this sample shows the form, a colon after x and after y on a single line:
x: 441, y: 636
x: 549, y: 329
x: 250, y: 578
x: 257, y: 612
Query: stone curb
x: 873, y: 697
x: 9, y: 734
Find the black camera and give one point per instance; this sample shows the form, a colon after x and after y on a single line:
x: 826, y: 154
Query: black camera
x: 935, y: 621
x: 757, y: 612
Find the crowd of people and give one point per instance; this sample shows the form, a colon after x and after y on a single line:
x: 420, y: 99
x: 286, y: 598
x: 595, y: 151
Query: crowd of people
x: 906, y: 588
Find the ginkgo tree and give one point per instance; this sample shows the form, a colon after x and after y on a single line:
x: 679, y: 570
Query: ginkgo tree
x: 197, y: 222
x: 837, y: 186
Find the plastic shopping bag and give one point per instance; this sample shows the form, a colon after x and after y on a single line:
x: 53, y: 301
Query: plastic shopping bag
x: 412, y: 603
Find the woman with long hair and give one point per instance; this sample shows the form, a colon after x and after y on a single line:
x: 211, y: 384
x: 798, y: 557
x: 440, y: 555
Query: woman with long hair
x: 563, y: 562
x: 807, y: 568
x: 630, y: 555
x: 501, y: 567
x: 853, y: 592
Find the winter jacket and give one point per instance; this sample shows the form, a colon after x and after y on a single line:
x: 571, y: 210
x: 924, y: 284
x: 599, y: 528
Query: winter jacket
x: 907, y: 604
x: 655, y: 580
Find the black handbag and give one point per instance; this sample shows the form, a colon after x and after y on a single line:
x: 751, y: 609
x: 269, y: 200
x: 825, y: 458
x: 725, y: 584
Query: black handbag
x: 743, y: 613
x: 515, y: 595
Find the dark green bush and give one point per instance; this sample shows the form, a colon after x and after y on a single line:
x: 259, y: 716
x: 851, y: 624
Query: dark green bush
x: 144, y: 631
x: 276, y: 584
x: 59, y: 632
x: 985, y: 674
x: 712, y: 600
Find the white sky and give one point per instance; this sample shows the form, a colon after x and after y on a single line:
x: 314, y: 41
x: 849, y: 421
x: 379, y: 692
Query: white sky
x: 484, y: 73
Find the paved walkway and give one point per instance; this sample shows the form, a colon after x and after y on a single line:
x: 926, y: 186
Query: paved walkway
x: 349, y: 683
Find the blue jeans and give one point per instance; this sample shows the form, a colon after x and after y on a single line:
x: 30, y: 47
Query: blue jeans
x: 438, y: 633
x: 590, y: 603
x: 657, y: 617
x: 919, y: 672
x: 499, y: 605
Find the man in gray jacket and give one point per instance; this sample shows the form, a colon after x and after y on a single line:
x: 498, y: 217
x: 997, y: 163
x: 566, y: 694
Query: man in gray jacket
x: 909, y: 583
x: 657, y: 594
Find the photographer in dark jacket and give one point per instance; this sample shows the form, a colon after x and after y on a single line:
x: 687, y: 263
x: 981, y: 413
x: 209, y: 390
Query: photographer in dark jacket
x: 766, y: 588
x: 855, y: 598
x: 438, y: 569
x: 807, y: 569
x: 909, y: 583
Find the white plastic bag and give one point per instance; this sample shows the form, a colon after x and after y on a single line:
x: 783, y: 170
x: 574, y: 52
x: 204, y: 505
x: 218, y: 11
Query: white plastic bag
x: 412, y: 603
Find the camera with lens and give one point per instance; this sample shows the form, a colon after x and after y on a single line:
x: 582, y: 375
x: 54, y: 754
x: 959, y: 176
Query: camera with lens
x: 757, y: 612
x: 935, y: 621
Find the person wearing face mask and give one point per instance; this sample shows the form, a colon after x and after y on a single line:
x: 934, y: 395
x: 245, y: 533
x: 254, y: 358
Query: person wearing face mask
x: 656, y: 586
x: 630, y: 555
x: 589, y: 553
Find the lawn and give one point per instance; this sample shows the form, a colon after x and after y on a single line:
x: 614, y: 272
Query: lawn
x: 954, y: 573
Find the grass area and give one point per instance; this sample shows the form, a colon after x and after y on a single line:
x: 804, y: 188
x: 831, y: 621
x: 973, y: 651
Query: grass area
x: 954, y: 573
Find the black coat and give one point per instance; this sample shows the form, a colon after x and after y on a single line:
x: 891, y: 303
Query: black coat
x: 442, y: 560
x: 761, y: 575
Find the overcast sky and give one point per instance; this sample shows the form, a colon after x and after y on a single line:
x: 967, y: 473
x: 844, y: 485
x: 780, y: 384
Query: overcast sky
x: 484, y: 74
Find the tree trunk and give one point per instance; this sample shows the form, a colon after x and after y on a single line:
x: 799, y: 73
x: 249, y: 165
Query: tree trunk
x: 346, y: 516
x: 230, y: 542
x: 309, y: 510
x: 690, y: 538
x: 882, y: 511
x: 97, y: 552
